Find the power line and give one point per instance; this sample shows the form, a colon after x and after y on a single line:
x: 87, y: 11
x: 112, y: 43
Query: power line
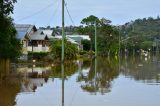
x: 58, y: 6
x: 38, y: 12
x: 69, y: 14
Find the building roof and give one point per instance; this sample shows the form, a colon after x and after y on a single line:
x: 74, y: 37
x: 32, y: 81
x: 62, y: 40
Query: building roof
x: 49, y: 33
x: 38, y: 35
x: 23, y: 30
x: 78, y: 37
x: 68, y: 39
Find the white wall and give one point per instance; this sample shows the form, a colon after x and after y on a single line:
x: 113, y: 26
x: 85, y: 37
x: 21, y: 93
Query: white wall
x: 39, y: 48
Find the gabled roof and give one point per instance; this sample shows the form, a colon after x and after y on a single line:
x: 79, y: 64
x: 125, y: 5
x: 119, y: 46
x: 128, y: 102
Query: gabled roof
x: 23, y: 30
x: 38, y: 35
x: 49, y: 33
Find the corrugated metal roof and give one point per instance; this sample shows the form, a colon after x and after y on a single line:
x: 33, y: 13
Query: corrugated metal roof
x: 38, y: 35
x: 23, y: 30
x: 77, y: 37
x: 21, y: 35
x: 24, y: 27
x: 48, y: 32
x: 68, y: 39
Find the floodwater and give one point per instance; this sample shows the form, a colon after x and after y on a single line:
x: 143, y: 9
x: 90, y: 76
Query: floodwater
x: 128, y: 81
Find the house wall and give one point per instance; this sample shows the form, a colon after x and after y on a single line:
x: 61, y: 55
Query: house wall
x: 38, y: 48
x: 24, y: 47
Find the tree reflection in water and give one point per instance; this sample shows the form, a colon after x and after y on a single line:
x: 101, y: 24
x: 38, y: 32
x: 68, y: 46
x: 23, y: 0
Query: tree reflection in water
x: 99, y: 76
x: 9, y: 85
x: 141, y: 68
x: 70, y: 67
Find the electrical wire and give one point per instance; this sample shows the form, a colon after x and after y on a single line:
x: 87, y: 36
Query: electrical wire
x: 65, y: 4
x: 56, y: 10
x: 38, y: 12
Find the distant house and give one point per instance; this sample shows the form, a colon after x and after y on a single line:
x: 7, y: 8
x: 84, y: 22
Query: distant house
x: 32, y: 39
x: 78, y: 39
x: 75, y: 39
x: 39, y: 42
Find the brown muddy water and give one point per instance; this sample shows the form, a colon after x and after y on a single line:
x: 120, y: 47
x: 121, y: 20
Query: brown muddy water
x: 128, y: 81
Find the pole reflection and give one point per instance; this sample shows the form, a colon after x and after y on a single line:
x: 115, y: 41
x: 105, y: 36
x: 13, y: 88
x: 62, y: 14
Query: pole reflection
x: 62, y: 71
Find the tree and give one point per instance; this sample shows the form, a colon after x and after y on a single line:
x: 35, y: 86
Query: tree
x: 142, y: 33
x: 108, y: 40
x: 107, y: 35
x: 70, y: 50
x: 9, y: 45
x: 86, y: 45
x: 89, y: 23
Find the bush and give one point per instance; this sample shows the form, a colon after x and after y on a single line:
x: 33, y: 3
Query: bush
x: 70, y: 50
x: 37, y: 55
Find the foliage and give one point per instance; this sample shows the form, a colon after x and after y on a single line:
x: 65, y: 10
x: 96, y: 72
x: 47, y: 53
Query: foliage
x: 6, y: 7
x: 70, y: 50
x: 90, y: 21
x: 88, y: 29
x: 108, y: 40
x: 107, y: 35
x: 37, y: 55
x: 82, y: 52
x: 9, y: 45
x: 99, y: 78
x: 86, y: 45
x: 142, y: 33
x: 146, y: 45
x: 70, y: 68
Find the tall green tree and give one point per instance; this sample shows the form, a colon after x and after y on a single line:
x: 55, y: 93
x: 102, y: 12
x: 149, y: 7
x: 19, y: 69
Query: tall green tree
x: 108, y: 38
x: 89, y: 23
x: 108, y: 35
x: 9, y: 44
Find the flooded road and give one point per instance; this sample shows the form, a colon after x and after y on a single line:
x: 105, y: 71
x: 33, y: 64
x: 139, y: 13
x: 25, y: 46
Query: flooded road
x: 128, y: 81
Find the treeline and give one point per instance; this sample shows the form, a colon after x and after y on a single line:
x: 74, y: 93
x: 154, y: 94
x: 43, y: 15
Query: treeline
x: 141, y: 33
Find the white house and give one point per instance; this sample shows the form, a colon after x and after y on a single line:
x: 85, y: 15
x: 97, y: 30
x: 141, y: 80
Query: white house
x: 23, y: 33
x: 32, y: 39
x: 39, y: 42
x: 75, y: 39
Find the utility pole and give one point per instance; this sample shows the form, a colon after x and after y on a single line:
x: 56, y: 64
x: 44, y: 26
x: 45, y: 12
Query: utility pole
x: 63, y: 34
x: 95, y: 39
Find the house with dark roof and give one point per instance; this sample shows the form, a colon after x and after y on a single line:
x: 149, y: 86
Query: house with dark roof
x: 32, y: 39
x: 39, y: 42
x: 24, y: 32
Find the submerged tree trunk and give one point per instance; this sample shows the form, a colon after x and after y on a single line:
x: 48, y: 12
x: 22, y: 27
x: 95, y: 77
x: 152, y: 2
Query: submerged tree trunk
x: 4, y: 67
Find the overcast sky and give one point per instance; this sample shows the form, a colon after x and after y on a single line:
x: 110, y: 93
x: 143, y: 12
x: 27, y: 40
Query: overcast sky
x: 48, y: 12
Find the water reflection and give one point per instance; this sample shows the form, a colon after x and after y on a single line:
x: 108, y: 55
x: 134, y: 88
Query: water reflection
x: 30, y: 85
x: 9, y: 85
x: 143, y: 69
x: 99, y: 76
x: 33, y: 77
x: 62, y: 71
